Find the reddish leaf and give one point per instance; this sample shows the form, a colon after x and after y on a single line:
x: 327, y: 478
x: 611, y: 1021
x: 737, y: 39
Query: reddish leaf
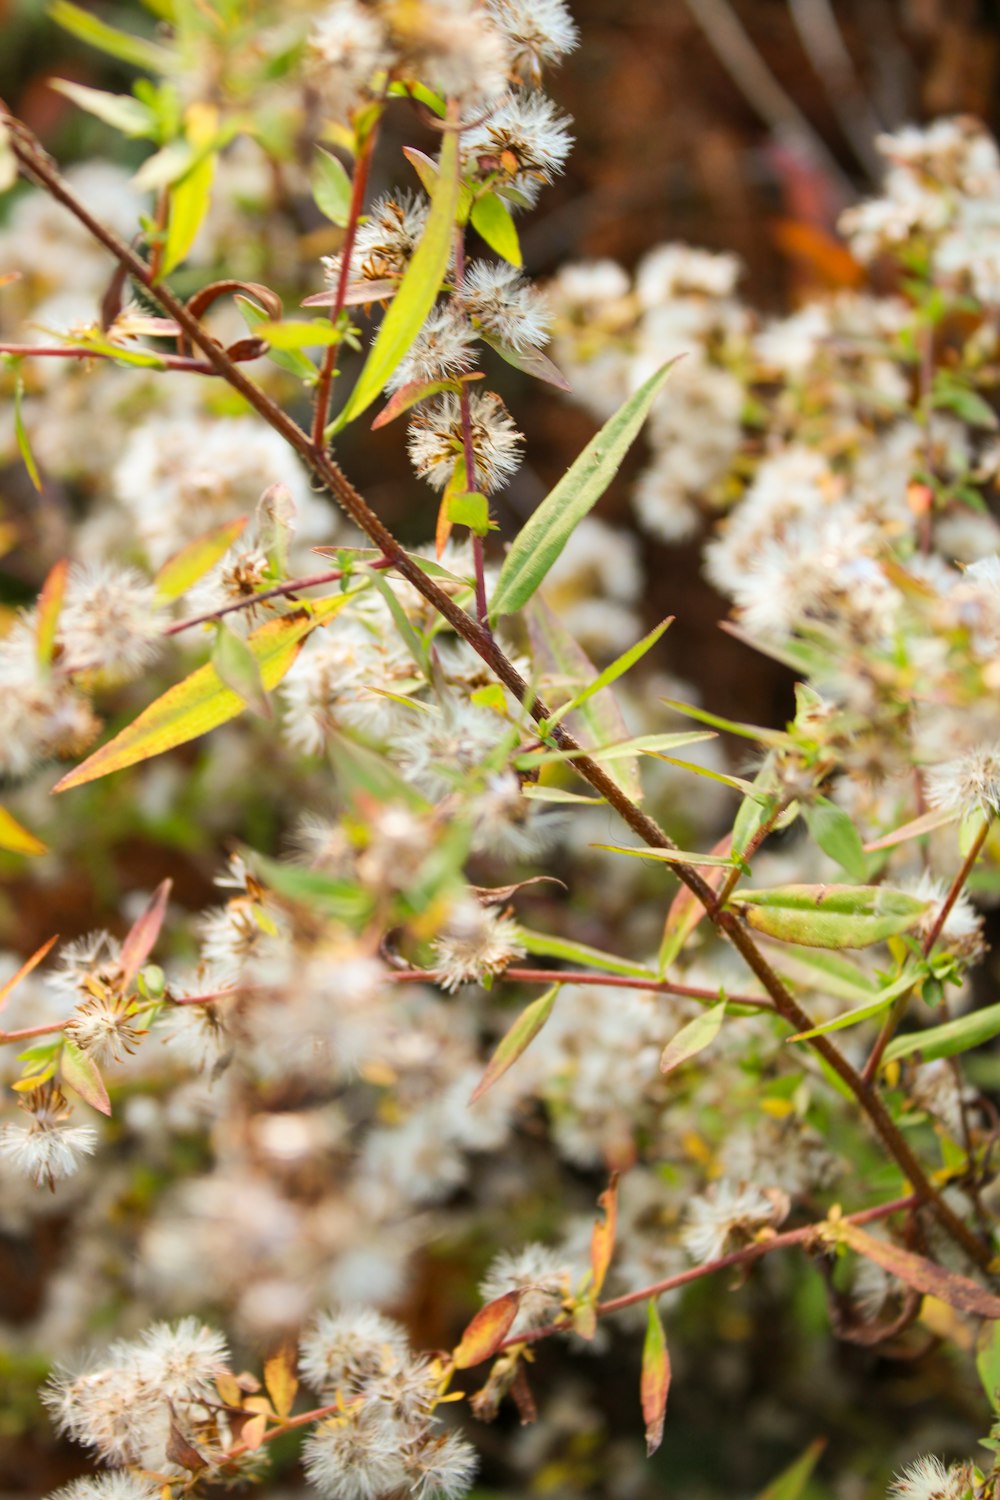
x: 26, y: 968
x: 254, y: 1430
x: 920, y: 1273
x: 81, y: 1073
x: 602, y: 1238
x: 138, y: 945
x: 686, y: 911
x: 418, y: 390
x: 487, y: 1330
x: 654, y: 1384
x: 49, y: 604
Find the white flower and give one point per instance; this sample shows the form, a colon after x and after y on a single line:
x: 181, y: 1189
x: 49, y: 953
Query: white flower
x: 970, y: 781
x: 354, y: 1457
x: 478, y: 942
x: 539, y: 32
x: 929, y: 1479
x: 90, y: 960
x: 347, y: 44
x: 102, y: 1025
x: 344, y: 1350
x: 455, y: 47
x: 525, y: 139
x: 180, y: 1360
x: 386, y: 240
x: 540, y: 1273
x: 727, y: 1212
x: 47, y: 1149
x: 109, y: 620
x: 118, y: 1485
x: 442, y: 1467
x: 443, y: 347
x: 435, y: 441
x: 505, y: 305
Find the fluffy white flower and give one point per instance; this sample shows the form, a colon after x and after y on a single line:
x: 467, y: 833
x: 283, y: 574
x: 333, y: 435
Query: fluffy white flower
x: 971, y: 780
x: 929, y: 1479
x: 525, y: 139
x: 435, y: 441
x: 539, y: 32
x: 478, y: 942
x: 343, y: 1350
x: 728, y: 1212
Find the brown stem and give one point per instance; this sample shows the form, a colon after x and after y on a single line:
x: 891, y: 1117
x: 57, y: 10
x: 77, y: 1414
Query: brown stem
x: 29, y: 1031
x: 38, y: 167
x: 327, y: 372
x: 71, y: 351
x: 742, y: 1257
x: 587, y: 976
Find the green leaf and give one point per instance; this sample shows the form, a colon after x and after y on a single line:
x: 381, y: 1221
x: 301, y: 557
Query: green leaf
x: 470, y: 508
x: 624, y: 749
x: 82, y: 1074
x: 669, y: 856
x: 776, y: 738
x: 960, y: 1035
x: 826, y: 970
x: 182, y: 571
x: 118, y: 110
x: 529, y: 361
x: 418, y: 289
x: 988, y: 1362
x: 791, y: 1483
x: 837, y: 836
x: 543, y: 538
x: 203, y: 701
x: 292, y: 360
x: 686, y: 911
x: 654, y: 1382
x: 693, y: 1038
x: 598, y: 722
x: 23, y: 443
x: 863, y: 1012
x: 339, y: 899
x: 189, y: 203
x: 491, y: 219
x: 536, y: 793
x: 331, y: 188
x: 830, y: 916
x: 617, y: 669
x: 134, y: 50
x: 239, y: 669
x: 542, y: 945
x: 164, y: 167
x: 523, y: 1032
x: 298, y: 333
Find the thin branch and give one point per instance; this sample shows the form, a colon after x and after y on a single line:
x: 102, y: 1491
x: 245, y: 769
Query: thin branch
x: 280, y: 590
x: 743, y: 1257
x: 587, y: 976
x: 37, y: 166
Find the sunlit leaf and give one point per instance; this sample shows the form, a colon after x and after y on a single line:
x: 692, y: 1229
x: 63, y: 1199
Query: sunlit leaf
x: 281, y: 1380
x: 81, y: 1073
x: 182, y: 571
x: 190, y: 199
x: 202, y: 701
x: 11, y: 984
x: 671, y: 856
x: 617, y: 668
x: 418, y: 290
x: 543, y: 945
x: 16, y: 838
x: 959, y: 1035
x: 863, y: 1012
x: 298, y: 333
x: 492, y: 221
x: 331, y: 188
x: 602, y: 1236
x: 776, y: 737
x: 542, y: 539
x: 50, y: 602
x: 21, y: 434
x: 517, y: 1039
x: 118, y: 110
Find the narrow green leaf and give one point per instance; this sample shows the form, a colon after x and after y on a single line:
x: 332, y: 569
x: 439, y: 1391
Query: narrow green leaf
x: 239, y: 669
x: 863, y: 1012
x: 189, y: 203
x: 826, y: 970
x: 837, y: 836
x: 693, y: 1038
x: 203, y: 701
x: 298, y: 333
x: 543, y: 538
x: 121, y: 44
x: 988, y: 1362
x: 544, y: 946
x: 621, y: 751
x: 960, y: 1035
x: 470, y: 508
x: 736, y: 782
x: 686, y: 911
x: 916, y: 828
x: 492, y: 221
x: 164, y: 167
x: 417, y: 292
x: 292, y: 360
x: 598, y: 722
x: 617, y: 669
x: 331, y: 188
x: 669, y: 856
x: 791, y: 1483
x: 529, y: 361
x: 523, y: 1032
x: 120, y: 111
x: 830, y: 916
x: 23, y: 443
x: 654, y: 1383
x: 83, y: 1076
x: 536, y: 793
x: 774, y: 737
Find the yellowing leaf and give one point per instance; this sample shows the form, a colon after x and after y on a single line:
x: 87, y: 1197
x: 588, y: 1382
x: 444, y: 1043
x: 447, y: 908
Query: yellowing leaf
x: 239, y: 669
x: 487, y: 1330
x: 202, y: 701
x: 16, y: 838
x: 922, y: 1274
x: 253, y: 1431
x: 189, y: 203
x: 524, y: 1030
x: 693, y: 1038
x: 654, y: 1384
x: 602, y: 1236
x: 47, y: 615
x: 83, y: 1077
x: 186, y: 567
x: 281, y: 1380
